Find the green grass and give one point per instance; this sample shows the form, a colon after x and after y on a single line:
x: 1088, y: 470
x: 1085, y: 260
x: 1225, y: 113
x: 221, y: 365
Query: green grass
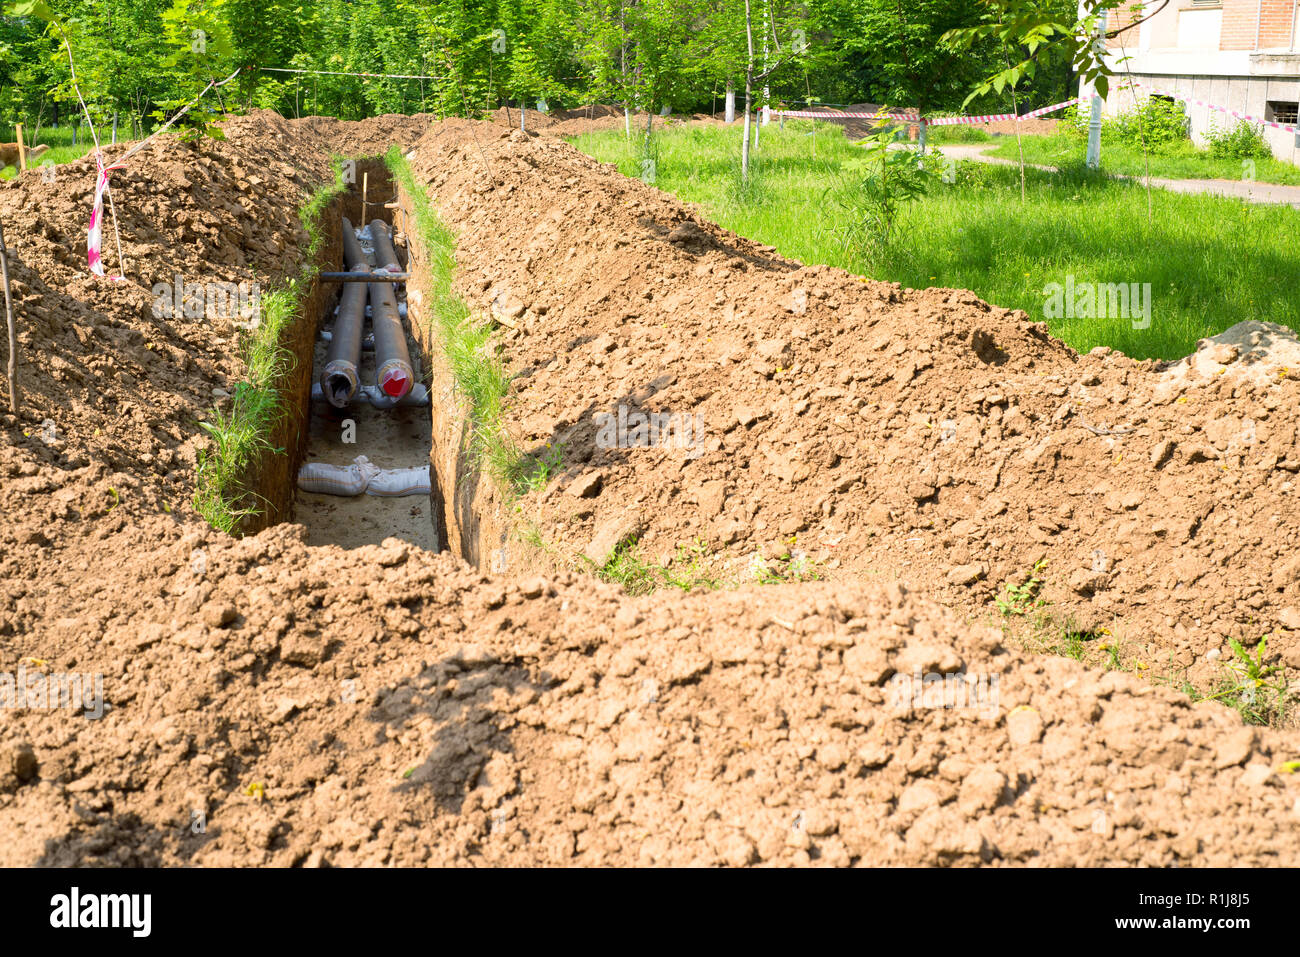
x: 689, y: 569
x: 1211, y: 261
x: 58, y: 138
x: 1180, y: 160
x: 240, y: 436
x: 474, y: 361
x: 956, y: 133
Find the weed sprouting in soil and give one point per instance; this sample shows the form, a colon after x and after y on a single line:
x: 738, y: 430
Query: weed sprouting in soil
x: 688, y: 570
x: 1019, y: 598
x: 1255, y: 690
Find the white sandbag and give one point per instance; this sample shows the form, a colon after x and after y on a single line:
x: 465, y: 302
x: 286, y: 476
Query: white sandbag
x: 325, y: 479
x: 396, y: 483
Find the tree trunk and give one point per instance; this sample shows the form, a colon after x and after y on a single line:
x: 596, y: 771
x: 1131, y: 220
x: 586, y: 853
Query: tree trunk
x: 744, y: 146
x: 749, y: 93
x: 730, y: 115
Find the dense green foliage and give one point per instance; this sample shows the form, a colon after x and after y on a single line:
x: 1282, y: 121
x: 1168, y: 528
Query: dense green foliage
x: 141, y: 59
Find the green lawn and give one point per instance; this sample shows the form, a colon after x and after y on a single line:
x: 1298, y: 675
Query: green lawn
x: 956, y: 133
x: 59, y: 140
x: 1178, y: 161
x: 1210, y: 261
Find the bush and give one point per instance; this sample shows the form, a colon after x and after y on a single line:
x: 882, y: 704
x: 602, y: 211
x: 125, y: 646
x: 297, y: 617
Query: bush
x: 1243, y: 141
x: 1157, y: 124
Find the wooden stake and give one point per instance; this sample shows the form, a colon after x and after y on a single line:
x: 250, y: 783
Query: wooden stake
x: 22, y: 152
x: 365, y: 185
x: 9, y: 322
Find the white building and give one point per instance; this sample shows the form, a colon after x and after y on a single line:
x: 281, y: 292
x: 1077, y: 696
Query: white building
x: 1240, y: 54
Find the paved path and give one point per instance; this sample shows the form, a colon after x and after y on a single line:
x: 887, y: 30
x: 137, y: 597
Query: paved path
x: 1269, y: 193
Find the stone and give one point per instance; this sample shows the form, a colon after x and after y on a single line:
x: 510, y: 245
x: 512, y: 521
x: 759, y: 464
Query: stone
x: 1234, y: 748
x: 587, y: 485
x: 967, y: 574
x: 1024, y: 726
x: 609, y: 536
x: 218, y: 614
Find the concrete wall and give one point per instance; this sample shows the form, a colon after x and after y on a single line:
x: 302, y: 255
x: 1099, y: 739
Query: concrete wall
x: 1245, y: 94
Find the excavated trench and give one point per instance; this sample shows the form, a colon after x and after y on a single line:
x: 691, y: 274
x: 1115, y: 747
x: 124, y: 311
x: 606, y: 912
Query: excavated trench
x: 463, y: 511
x: 359, y: 436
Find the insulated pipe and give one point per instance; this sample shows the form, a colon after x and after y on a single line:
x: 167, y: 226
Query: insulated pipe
x: 395, y: 374
x: 339, y: 379
x: 353, y: 256
x: 391, y: 353
x: 385, y: 255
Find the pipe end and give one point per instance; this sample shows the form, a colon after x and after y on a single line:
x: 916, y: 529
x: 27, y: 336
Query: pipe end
x: 395, y: 383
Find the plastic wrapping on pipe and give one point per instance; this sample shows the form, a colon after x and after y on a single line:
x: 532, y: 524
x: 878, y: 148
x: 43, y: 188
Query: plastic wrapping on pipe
x: 363, y: 476
x: 367, y: 342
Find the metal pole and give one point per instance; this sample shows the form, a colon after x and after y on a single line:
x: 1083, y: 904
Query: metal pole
x: 9, y: 322
x: 1094, y: 112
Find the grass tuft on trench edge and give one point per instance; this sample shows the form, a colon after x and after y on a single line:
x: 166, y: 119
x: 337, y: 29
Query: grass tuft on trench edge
x: 475, y: 363
x: 242, y: 435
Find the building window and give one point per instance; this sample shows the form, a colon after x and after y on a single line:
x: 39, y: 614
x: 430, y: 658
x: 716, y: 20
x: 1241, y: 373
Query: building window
x: 1282, y: 112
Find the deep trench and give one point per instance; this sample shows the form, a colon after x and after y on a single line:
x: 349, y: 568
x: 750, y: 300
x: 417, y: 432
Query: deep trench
x: 396, y: 438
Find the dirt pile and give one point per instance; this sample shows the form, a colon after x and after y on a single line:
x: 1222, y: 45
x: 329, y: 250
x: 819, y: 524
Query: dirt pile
x: 914, y: 434
x: 273, y: 703
x: 270, y: 702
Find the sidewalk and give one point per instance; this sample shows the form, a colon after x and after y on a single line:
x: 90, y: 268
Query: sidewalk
x: 1267, y: 193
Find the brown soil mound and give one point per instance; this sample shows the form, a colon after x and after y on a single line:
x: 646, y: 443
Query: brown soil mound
x: 919, y: 434
x: 280, y: 704
x: 271, y: 702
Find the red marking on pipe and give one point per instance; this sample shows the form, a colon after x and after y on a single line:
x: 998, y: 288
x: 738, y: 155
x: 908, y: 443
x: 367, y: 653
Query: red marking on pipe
x: 395, y: 384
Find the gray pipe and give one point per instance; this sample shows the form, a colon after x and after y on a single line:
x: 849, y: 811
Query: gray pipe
x: 385, y: 255
x: 339, y: 380
x: 353, y: 256
x: 395, y: 373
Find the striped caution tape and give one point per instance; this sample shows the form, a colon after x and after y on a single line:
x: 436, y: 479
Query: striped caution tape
x: 915, y: 118
x: 838, y: 115
x: 94, y: 231
x: 996, y: 117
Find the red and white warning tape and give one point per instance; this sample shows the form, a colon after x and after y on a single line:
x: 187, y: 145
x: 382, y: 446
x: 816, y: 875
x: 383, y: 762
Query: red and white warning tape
x: 94, y: 232
x: 914, y: 118
x: 1222, y: 109
x: 995, y: 117
x: 837, y: 115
